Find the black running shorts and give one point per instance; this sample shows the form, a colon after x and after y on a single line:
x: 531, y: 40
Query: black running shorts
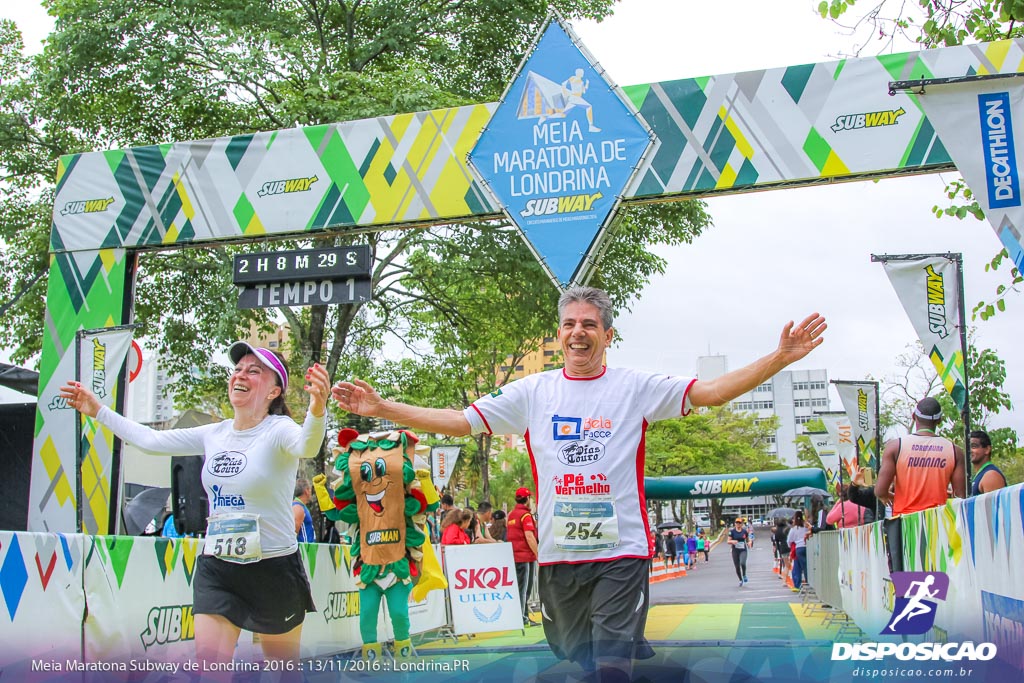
x: 270, y: 596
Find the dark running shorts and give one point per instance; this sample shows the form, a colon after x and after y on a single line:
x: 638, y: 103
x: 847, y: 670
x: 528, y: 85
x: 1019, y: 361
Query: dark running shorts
x: 596, y: 609
x: 270, y: 596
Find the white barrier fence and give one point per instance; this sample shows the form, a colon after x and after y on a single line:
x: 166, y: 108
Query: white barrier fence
x: 110, y: 598
x: 96, y: 598
x: 977, y: 542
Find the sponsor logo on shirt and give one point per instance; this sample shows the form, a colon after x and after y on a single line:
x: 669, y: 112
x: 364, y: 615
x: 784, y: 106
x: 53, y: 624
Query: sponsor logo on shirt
x: 382, y: 537
x: 226, y: 464
x: 572, y: 484
x: 580, y: 453
x: 226, y: 500
x: 579, y: 428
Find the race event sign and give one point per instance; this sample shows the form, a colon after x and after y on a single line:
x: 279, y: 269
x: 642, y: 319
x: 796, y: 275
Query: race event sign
x: 559, y: 151
x: 483, y: 589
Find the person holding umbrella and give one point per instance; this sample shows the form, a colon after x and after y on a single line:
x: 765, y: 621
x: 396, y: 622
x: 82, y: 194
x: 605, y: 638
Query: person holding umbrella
x: 250, y: 575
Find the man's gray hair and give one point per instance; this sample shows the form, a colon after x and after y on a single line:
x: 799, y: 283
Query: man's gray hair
x: 588, y: 295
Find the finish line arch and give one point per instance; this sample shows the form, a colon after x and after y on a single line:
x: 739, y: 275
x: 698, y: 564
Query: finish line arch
x: 772, y: 482
x: 768, y: 129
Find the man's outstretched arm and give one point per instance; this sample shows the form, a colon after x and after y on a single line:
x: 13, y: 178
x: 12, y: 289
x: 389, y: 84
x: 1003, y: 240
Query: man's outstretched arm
x: 360, y: 398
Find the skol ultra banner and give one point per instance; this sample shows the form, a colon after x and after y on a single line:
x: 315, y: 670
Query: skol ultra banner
x: 928, y: 288
x: 981, y: 124
x: 483, y: 588
x: 860, y: 401
x: 826, y: 450
x: 101, y: 355
x: 840, y: 432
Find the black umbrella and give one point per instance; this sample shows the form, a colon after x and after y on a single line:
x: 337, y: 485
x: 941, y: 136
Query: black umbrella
x: 804, y: 491
x: 141, y: 509
x: 781, y: 513
x: 669, y: 525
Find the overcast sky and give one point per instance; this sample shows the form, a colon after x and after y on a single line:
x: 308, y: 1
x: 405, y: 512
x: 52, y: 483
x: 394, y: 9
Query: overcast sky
x: 772, y: 256
x: 776, y: 256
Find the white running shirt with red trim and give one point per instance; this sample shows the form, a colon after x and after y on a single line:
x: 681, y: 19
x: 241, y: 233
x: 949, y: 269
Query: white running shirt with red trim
x: 585, y: 437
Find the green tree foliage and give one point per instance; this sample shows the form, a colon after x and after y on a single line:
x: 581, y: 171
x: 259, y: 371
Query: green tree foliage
x: 932, y: 23
x: 120, y: 73
x: 1011, y: 462
x: 805, y: 453
x: 513, y: 471
x: 917, y: 379
x: 713, y: 441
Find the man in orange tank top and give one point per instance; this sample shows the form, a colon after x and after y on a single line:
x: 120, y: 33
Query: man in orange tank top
x: 923, y: 466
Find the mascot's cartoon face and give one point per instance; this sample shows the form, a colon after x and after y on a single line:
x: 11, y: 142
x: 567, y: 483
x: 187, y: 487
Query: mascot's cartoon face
x: 376, y: 470
x: 375, y: 465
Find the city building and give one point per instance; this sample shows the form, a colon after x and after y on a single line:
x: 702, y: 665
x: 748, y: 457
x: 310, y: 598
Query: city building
x: 792, y: 395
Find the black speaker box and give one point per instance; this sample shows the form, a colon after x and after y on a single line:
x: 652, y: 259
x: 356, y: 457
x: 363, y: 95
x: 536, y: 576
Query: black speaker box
x: 17, y: 421
x: 189, y: 502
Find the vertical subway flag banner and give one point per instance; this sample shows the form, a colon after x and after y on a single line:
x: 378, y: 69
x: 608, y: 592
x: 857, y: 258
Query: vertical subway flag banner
x: 559, y: 151
x: 928, y: 289
x: 859, y: 400
x: 826, y: 450
x: 981, y: 125
x: 101, y: 355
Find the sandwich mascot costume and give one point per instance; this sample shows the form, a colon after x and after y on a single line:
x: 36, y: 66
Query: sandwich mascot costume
x: 386, y: 499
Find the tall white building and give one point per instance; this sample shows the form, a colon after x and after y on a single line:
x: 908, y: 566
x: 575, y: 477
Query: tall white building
x: 149, y: 400
x: 792, y: 395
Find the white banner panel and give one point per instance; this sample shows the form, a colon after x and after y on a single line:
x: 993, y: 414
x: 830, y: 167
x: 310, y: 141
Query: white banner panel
x: 826, y: 450
x: 483, y: 589
x: 981, y: 125
x: 442, y: 463
x: 976, y: 542
x: 139, y: 592
x: 101, y: 355
x: 54, y: 468
x: 928, y: 288
x: 859, y: 401
x: 864, y: 577
x: 335, y: 625
x: 41, y: 599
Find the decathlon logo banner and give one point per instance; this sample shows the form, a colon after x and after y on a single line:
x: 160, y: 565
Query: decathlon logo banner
x: 928, y: 288
x: 980, y: 124
x: 560, y: 149
x: 442, y: 463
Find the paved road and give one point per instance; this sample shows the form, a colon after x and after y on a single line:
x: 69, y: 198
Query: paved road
x: 715, y: 582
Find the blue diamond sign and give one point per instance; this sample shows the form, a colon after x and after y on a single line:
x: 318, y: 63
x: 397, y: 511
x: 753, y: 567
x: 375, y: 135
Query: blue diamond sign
x: 558, y: 152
